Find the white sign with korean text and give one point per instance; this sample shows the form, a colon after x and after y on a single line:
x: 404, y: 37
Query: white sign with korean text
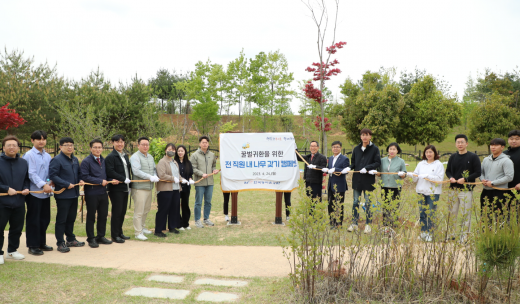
x: 258, y: 161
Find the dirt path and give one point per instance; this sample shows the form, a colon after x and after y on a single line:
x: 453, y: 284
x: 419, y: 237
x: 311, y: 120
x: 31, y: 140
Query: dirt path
x: 247, y: 261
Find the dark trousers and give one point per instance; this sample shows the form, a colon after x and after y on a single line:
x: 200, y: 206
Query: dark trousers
x: 315, y: 190
x: 390, y: 206
x: 37, y: 220
x: 495, y: 200
x: 226, y: 202
x: 99, y: 204
x: 119, y: 200
x: 168, y: 209
x: 65, y: 218
x: 185, y: 207
x: 336, y: 204
x: 287, y: 200
x: 15, y: 218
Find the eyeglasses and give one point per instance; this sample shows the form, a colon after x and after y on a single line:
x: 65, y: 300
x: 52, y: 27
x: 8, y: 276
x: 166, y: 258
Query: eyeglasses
x: 460, y: 142
x: 68, y: 145
x: 97, y: 148
x: 144, y: 145
x: 11, y: 146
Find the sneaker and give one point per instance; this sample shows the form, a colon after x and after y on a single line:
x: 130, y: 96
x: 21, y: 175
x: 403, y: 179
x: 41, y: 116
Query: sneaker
x: 188, y: 228
x: 63, y: 248
x: 425, y: 236
x: 227, y: 218
x: 367, y: 229
x: 288, y: 218
x: 208, y: 223
x: 146, y: 231
x: 160, y: 234
x: 198, y: 224
x: 15, y: 255
x: 352, y: 228
x: 75, y: 243
x: 181, y: 229
x: 174, y: 231
x: 1, y: 259
x: 141, y: 237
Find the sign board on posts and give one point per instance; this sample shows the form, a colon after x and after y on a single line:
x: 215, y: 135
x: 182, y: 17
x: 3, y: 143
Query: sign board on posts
x: 258, y: 161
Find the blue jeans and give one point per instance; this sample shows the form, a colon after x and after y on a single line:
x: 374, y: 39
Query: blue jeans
x: 207, y: 192
x: 427, y: 209
x: 355, y: 206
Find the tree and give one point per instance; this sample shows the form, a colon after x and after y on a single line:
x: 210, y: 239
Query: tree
x: 9, y: 118
x: 374, y: 103
x: 323, y: 69
x: 238, y: 73
x: 218, y: 80
x: 428, y: 114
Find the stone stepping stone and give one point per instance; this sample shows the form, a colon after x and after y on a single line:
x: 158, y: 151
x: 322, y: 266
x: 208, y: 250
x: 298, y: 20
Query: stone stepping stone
x: 158, y: 293
x: 166, y: 278
x: 215, y: 282
x: 217, y: 297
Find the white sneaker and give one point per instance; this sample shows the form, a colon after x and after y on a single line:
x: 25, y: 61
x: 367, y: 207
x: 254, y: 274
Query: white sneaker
x: 208, y: 223
x: 367, y: 229
x: 198, y: 224
x: 146, y: 231
x: 16, y: 255
x: 141, y: 237
x: 425, y: 236
x: 352, y: 228
x: 227, y: 217
x: 188, y: 228
x: 182, y: 228
x: 288, y: 218
x: 1, y: 259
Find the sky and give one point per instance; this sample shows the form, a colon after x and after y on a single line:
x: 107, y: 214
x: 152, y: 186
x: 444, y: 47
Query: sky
x: 449, y: 39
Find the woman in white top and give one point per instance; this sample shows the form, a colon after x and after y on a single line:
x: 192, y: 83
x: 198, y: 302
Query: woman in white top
x: 430, y: 169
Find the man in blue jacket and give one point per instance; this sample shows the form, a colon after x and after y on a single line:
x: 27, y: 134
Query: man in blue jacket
x: 14, y: 176
x: 64, y: 172
x: 337, y: 184
x: 93, y: 172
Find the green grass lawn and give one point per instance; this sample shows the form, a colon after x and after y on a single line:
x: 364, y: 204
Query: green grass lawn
x: 27, y: 282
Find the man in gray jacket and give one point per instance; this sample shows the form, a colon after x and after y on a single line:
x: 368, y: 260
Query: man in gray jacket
x: 143, y: 167
x: 497, y: 171
x: 204, y: 162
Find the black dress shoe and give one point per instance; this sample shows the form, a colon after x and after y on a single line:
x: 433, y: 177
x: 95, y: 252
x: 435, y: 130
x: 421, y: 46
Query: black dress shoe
x: 104, y: 240
x: 46, y: 248
x: 124, y: 237
x: 35, y: 251
x: 174, y: 231
x: 63, y: 248
x: 75, y: 243
x: 93, y: 244
x: 118, y: 240
x: 160, y: 234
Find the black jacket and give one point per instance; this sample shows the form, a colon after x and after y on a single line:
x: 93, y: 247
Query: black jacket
x: 457, y: 164
x: 369, y: 159
x: 63, y: 171
x: 93, y: 173
x: 14, y: 173
x: 115, y: 170
x: 311, y: 175
x: 185, y: 173
x: 514, y: 154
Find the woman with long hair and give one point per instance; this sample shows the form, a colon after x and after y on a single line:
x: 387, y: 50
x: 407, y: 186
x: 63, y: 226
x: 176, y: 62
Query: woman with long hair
x: 186, y: 172
x: 168, y: 193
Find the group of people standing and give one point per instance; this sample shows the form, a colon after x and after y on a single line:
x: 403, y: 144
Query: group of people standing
x: 113, y: 179
x: 498, y: 171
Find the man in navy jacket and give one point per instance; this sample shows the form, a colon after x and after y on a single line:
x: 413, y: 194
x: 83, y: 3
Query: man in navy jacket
x: 93, y: 172
x: 337, y: 184
x: 14, y: 176
x: 64, y: 172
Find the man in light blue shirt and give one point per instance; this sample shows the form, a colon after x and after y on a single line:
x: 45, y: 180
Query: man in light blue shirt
x: 38, y: 214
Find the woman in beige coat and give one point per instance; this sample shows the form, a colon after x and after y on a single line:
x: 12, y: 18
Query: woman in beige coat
x: 168, y: 193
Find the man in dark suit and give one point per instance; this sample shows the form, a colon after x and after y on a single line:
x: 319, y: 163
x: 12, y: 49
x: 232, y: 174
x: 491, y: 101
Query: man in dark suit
x: 337, y: 184
x: 118, y: 167
x: 313, y: 178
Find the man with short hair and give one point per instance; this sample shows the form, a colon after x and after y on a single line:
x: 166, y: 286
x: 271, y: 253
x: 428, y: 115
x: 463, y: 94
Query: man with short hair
x: 38, y: 204
x: 143, y: 167
x: 337, y: 184
x: 204, y: 162
x: 514, y: 154
x: 463, y: 167
x: 118, y: 168
x: 93, y: 172
x: 365, y: 158
x: 14, y: 176
x: 497, y: 171
x: 313, y: 178
x: 64, y: 172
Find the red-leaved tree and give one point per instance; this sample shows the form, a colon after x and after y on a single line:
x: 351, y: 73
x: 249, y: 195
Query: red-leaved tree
x: 9, y: 118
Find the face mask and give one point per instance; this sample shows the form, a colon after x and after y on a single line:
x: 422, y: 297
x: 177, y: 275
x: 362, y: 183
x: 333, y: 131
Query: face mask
x: 170, y: 153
